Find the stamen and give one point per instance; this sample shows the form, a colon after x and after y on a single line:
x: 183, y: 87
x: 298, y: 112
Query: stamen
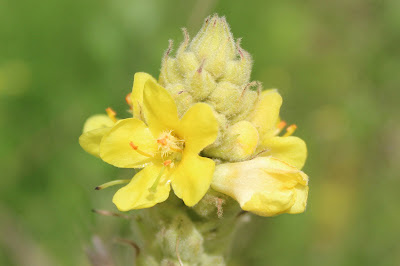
x: 136, y: 148
x: 111, y: 114
x: 290, y: 130
x: 153, y: 188
x: 112, y: 183
x: 128, y: 100
x: 281, y: 125
x: 162, y: 141
x: 167, y: 162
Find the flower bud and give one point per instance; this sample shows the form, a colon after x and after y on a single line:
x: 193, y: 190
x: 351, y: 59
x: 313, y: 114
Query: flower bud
x: 190, y: 245
x: 225, y: 98
x: 215, y: 37
x: 201, y: 84
x: 169, y: 73
x: 238, y: 71
x: 181, y: 96
x: 239, y: 143
x: 212, y: 68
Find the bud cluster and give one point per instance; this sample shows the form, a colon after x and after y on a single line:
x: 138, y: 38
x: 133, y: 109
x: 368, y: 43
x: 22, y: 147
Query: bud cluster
x: 214, y: 69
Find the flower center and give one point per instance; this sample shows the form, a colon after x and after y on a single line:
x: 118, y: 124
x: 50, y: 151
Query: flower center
x: 170, y: 146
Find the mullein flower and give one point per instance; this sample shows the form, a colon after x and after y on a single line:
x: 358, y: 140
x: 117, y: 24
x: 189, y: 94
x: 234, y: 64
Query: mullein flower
x: 271, y: 182
x: 265, y: 185
x: 233, y: 121
x: 166, y: 146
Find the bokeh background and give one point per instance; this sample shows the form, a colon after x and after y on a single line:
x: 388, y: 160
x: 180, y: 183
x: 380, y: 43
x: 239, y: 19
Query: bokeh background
x: 336, y: 63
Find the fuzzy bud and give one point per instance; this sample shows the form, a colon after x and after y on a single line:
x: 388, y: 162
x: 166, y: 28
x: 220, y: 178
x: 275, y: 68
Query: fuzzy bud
x: 214, y: 69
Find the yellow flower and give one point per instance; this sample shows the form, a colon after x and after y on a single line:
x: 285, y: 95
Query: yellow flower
x: 272, y: 183
x: 265, y: 186
x: 165, y: 145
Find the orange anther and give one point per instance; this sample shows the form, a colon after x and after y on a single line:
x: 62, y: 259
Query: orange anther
x: 167, y: 162
x: 133, y: 146
x: 111, y: 114
x: 281, y: 125
x: 290, y: 130
x: 128, y: 99
x: 162, y: 141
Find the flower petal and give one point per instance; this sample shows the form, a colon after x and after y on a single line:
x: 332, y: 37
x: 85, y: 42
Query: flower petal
x: 115, y: 146
x: 139, y: 80
x: 265, y: 186
x: 94, y: 129
x: 96, y: 122
x: 136, y: 195
x: 270, y: 203
x: 90, y: 141
x: 301, y: 200
x: 160, y: 108
x: 292, y: 150
x: 192, y: 178
x: 198, y: 127
x: 266, y: 112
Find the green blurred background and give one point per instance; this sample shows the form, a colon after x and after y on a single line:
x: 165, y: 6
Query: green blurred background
x: 336, y: 63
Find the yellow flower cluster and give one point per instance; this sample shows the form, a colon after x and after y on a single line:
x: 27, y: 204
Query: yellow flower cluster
x: 203, y: 104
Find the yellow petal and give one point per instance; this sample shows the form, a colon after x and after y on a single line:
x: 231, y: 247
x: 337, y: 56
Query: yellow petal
x: 136, y: 195
x: 115, y: 146
x: 90, y: 141
x: 266, y: 112
x: 198, y: 127
x: 301, y: 200
x: 270, y: 203
x: 160, y: 108
x: 292, y: 150
x: 264, y: 186
x: 93, y: 131
x: 139, y: 80
x: 192, y: 178
x: 96, y: 122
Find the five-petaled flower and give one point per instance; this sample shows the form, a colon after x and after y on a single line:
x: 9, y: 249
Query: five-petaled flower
x: 167, y: 147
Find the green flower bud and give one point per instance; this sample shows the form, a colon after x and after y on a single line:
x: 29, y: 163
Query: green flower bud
x: 181, y: 96
x: 201, y: 84
x: 225, y: 98
x: 212, y: 68
x: 240, y: 142
x: 182, y: 239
